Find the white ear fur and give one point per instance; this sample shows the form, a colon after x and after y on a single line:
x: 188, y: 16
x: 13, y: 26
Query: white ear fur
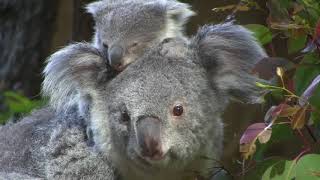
x: 179, y: 12
x: 70, y: 71
x: 96, y: 8
x: 92, y: 8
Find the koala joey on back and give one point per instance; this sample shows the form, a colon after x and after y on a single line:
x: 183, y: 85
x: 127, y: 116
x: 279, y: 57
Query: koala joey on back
x: 125, y: 28
x: 160, y: 117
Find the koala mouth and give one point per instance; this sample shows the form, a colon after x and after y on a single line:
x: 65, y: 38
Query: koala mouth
x: 121, y: 67
x: 150, y: 162
x: 126, y: 61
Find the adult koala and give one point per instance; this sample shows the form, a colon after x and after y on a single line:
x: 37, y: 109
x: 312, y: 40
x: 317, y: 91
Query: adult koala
x: 158, y: 119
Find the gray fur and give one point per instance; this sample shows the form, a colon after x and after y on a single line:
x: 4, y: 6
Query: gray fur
x: 47, y: 145
x: 194, y: 73
x: 236, y: 52
x: 66, y: 71
x: 135, y: 25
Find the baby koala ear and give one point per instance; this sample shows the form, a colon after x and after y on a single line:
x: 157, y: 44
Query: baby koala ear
x: 93, y: 8
x: 73, y: 70
x: 97, y: 7
x: 229, y: 52
x: 180, y: 13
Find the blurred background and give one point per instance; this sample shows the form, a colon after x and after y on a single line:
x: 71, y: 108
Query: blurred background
x: 31, y: 30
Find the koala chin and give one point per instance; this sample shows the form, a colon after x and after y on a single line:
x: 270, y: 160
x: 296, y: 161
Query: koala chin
x: 157, y: 119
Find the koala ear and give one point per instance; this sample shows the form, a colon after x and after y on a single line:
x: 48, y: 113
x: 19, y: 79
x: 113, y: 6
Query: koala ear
x: 75, y: 69
x: 96, y: 8
x: 93, y: 8
x: 178, y: 12
x: 229, y: 52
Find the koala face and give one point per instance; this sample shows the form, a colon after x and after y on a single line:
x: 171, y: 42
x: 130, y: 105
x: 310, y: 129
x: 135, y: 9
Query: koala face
x: 124, y: 33
x: 154, y: 125
x: 124, y: 29
x: 161, y: 125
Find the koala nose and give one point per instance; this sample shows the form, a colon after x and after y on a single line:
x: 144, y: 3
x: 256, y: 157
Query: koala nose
x: 115, y: 56
x: 148, y: 133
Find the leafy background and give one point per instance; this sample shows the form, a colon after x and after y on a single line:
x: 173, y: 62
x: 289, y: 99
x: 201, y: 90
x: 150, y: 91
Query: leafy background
x: 293, y: 103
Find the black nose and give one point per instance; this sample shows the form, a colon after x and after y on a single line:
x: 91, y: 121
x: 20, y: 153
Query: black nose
x: 148, y: 133
x: 115, y: 56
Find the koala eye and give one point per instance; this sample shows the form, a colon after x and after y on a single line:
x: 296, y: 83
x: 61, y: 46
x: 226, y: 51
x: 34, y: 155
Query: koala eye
x: 125, y: 118
x: 177, y: 110
x: 105, y: 45
x: 134, y: 44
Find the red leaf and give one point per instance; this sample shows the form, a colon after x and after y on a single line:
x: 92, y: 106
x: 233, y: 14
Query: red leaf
x: 252, y: 132
x: 317, y: 31
x: 257, y: 131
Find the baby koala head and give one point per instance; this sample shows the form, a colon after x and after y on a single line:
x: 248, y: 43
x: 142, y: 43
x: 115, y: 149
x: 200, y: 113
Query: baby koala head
x: 160, y: 117
x: 124, y: 29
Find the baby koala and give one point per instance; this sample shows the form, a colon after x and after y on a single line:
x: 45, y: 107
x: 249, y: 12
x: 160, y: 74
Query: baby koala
x: 124, y: 29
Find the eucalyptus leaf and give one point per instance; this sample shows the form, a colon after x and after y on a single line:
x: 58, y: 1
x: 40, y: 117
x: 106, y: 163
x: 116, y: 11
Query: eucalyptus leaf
x: 261, y: 32
x: 308, y: 167
x: 281, y: 170
x: 296, y: 43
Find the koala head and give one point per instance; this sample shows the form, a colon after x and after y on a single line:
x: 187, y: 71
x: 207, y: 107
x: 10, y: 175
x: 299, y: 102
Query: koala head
x: 162, y: 114
x: 160, y: 117
x: 124, y: 29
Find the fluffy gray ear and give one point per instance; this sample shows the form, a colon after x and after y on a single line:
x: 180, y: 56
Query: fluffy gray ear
x: 97, y: 7
x: 178, y: 12
x: 229, y: 53
x: 74, y: 70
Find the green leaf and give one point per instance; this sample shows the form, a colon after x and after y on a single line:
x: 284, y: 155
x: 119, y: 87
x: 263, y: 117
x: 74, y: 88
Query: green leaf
x: 261, y: 32
x: 280, y: 133
x: 308, y: 167
x: 17, y: 102
x: 266, y: 86
x: 261, y: 167
x: 284, y: 3
x: 296, y: 43
x: 4, y: 117
x: 282, y: 170
x: 17, y: 105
